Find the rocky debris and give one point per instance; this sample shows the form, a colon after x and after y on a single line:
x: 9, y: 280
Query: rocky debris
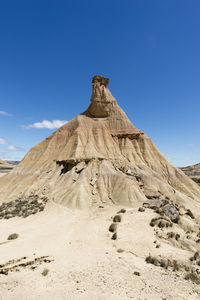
x: 13, y: 236
x: 151, y: 193
x: 128, y: 172
x: 23, y: 207
x: 171, y: 211
x: 155, y: 203
x: 163, y: 207
x: 160, y: 222
x: 12, y: 265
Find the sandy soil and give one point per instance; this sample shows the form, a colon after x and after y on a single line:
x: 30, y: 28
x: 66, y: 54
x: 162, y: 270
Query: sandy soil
x: 83, y: 261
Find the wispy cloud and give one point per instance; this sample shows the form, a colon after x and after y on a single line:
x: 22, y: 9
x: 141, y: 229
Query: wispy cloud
x: 9, y: 146
x: 3, y: 142
x: 46, y: 124
x: 4, y: 113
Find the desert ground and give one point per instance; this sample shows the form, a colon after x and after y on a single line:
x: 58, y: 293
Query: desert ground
x: 66, y: 254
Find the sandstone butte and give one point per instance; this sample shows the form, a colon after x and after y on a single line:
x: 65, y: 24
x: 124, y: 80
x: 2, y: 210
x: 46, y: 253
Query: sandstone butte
x: 96, y: 212
x: 99, y: 157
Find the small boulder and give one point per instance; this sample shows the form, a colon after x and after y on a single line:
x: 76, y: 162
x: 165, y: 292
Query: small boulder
x: 171, y: 212
x: 151, y: 193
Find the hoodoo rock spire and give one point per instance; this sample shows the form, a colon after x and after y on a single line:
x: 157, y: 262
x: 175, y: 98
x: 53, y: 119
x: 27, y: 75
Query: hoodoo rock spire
x: 98, y: 157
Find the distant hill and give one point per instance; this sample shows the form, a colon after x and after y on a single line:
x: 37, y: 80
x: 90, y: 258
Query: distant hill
x: 6, y: 167
x: 13, y: 162
x: 193, y: 172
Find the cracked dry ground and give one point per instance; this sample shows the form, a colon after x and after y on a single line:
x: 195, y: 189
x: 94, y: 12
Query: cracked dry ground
x: 84, y: 261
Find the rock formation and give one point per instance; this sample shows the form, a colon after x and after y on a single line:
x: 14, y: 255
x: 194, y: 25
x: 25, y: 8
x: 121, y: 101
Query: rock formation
x: 99, y: 157
x: 101, y: 162
x: 193, y: 172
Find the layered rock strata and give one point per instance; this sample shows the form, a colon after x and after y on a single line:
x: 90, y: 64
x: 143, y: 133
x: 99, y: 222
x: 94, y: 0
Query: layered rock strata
x: 99, y: 157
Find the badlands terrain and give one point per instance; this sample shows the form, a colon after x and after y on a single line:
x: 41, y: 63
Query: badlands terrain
x: 95, y: 211
x: 5, y: 167
x: 193, y: 172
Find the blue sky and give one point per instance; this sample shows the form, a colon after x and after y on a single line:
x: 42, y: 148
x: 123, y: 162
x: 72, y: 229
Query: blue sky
x: 150, y: 50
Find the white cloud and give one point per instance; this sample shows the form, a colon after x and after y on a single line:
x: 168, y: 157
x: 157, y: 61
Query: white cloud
x: 4, y: 113
x: 10, y: 146
x: 46, y: 124
x: 3, y: 142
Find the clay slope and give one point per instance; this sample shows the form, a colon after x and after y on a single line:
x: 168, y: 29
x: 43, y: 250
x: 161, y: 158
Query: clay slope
x: 98, y: 157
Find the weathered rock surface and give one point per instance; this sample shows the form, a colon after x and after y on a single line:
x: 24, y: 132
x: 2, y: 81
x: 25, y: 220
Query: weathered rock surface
x: 99, y: 157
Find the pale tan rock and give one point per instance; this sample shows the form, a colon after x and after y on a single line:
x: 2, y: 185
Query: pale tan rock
x: 99, y: 157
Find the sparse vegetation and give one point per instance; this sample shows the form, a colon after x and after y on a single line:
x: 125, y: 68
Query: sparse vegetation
x: 170, y: 235
x: 23, y: 207
x: 163, y: 263
x: 122, y: 211
x: 120, y: 250
x: 195, y: 256
x: 193, y: 277
x: 152, y: 260
x: 141, y: 209
x: 113, y: 227
x: 13, y: 236
x: 117, y: 218
x: 45, y: 272
x: 114, y: 236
